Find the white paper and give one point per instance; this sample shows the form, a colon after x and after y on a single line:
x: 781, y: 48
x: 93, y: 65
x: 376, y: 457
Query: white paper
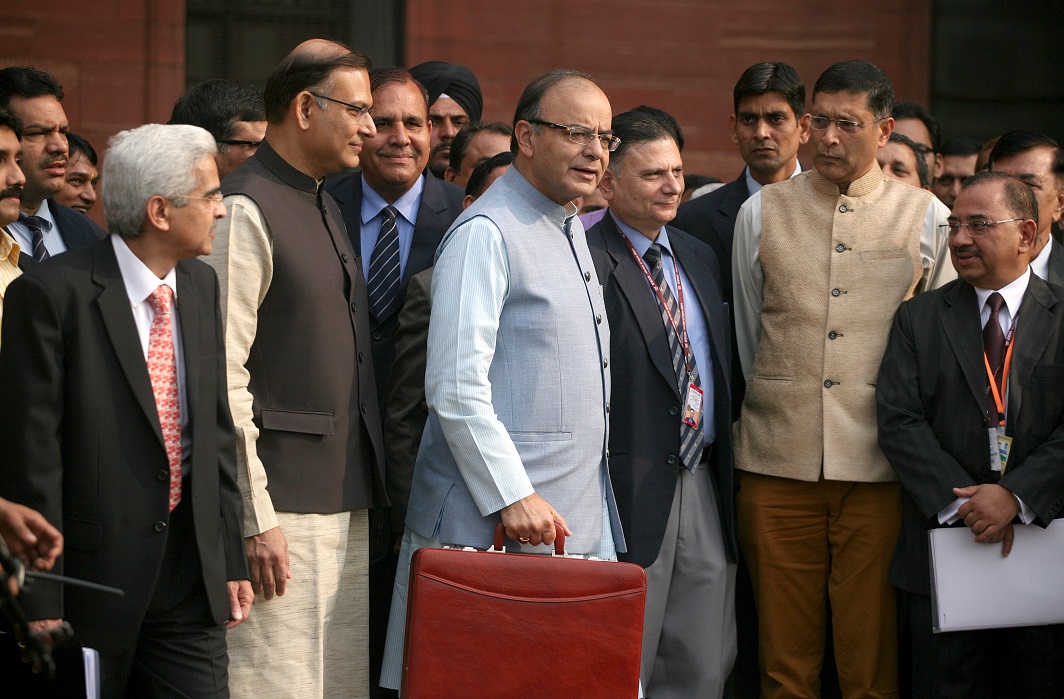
x: 974, y: 587
x: 91, y: 658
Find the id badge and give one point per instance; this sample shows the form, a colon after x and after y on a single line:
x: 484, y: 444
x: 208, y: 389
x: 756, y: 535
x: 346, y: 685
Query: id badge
x: 1004, y: 446
x: 692, y: 413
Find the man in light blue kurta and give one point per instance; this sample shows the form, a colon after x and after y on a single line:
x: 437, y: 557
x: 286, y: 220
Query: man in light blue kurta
x: 517, y: 380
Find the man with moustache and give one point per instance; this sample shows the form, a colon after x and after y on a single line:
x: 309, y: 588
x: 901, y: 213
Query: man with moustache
x: 12, y: 259
x: 45, y: 227
x: 513, y: 292
x: 935, y: 402
x: 396, y: 213
x: 301, y: 385
x: 1037, y: 160
x: 821, y: 263
x: 670, y: 427
x: 455, y: 100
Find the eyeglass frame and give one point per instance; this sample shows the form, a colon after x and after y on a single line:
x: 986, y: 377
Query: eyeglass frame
x: 232, y: 142
x: 954, y: 227
x: 844, y: 125
x: 610, y: 145
x: 360, y: 112
x: 218, y: 197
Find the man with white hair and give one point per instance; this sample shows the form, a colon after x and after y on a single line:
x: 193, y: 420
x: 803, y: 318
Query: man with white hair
x: 120, y: 433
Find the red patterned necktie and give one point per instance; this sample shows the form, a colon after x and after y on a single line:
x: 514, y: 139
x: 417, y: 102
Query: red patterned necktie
x: 162, y: 369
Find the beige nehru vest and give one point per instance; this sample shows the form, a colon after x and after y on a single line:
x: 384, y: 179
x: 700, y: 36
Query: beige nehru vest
x: 836, y: 268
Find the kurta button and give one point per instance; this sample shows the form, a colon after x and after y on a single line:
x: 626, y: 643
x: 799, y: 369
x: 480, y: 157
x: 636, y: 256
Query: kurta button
x: 362, y: 407
x: 162, y: 475
x: 598, y: 319
x: 828, y: 383
x: 835, y: 292
x: 343, y: 256
x: 359, y: 357
x: 843, y: 209
x: 840, y: 248
x: 674, y: 410
x: 607, y: 407
x: 587, y: 276
x: 354, y: 308
x: 832, y: 335
x: 160, y: 526
x: 605, y: 363
x: 607, y: 453
x: 671, y: 460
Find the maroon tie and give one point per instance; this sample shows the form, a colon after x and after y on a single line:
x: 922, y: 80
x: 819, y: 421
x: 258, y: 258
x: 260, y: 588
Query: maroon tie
x: 162, y: 369
x: 994, y: 347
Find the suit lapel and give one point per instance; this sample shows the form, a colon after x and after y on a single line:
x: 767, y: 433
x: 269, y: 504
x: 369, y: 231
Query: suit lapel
x: 190, y: 312
x: 960, y: 322
x: 633, y: 284
x: 729, y: 210
x: 113, y: 303
x: 427, y: 232
x: 1035, y: 324
x: 1056, y: 264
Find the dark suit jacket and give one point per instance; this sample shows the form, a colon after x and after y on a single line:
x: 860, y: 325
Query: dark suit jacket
x: 1056, y: 264
x: 931, y: 402
x: 645, y: 407
x: 76, y: 229
x: 441, y: 202
x: 80, y: 439
x: 404, y: 421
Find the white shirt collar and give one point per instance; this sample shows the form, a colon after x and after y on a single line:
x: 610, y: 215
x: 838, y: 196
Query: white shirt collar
x: 1012, y: 293
x: 140, y: 281
x: 753, y: 186
x: 1040, y: 264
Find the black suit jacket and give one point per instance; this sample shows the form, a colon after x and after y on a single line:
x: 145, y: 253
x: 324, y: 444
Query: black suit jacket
x: 441, y: 202
x: 931, y: 403
x: 76, y: 229
x: 80, y: 439
x: 645, y: 408
x: 1056, y: 264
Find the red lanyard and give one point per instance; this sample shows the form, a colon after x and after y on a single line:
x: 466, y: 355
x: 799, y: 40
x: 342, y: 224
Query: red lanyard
x: 681, y: 330
x: 999, y: 394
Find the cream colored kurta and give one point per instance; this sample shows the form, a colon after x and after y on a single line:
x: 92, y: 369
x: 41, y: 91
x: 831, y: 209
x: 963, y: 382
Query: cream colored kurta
x: 818, y: 278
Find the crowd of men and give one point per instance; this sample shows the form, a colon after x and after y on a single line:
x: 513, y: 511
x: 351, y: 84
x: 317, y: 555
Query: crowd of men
x: 343, y: 319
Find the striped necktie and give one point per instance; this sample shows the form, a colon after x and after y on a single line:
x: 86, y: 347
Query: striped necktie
x: 36, y: 226
x: 691, y: 439
x: 383, y: 282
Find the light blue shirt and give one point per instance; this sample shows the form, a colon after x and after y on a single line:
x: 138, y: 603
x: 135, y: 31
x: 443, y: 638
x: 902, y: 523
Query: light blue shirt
x: 53, y: 242
x: 372, y: 216
x: 697, y: 332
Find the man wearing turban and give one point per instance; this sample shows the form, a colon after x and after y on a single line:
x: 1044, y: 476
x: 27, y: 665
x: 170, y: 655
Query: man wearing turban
x: 454, y: 101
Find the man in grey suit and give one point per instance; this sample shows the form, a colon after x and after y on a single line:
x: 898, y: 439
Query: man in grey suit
x: 1038, y: 160
x: 517, y: 377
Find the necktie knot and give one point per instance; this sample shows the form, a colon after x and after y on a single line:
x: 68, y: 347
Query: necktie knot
x: 994, y: 302
x: 389, y: 213
x: 653, y: 256
x: 32, y: 222
x: 161, y: 300
x: 36, y: 224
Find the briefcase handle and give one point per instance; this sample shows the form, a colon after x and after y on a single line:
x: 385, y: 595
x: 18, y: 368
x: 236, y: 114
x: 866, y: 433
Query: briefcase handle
x: 559, y: 539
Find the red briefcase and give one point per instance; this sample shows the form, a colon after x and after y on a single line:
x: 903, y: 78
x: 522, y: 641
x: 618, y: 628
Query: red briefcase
x: 487, y: 624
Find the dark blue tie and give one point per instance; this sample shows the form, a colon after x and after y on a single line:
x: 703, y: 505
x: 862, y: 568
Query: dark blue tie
x: 383, y: 282
x: 36, y: 226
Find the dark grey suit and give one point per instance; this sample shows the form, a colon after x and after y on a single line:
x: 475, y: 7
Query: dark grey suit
x: 76, y: 229
x: 931, y: 402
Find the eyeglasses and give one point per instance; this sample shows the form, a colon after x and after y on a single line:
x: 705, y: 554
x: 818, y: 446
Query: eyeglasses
x: 578, y: 134
x: 845, y: 125
x: 358, y: 112
x: 249, y: 144
x: 976, y: 229
x: 215, y: 198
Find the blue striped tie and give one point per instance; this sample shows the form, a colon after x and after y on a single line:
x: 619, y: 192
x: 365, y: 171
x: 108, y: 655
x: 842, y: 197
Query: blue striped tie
x: 383, y: 282
x: 691, y: 440
x: 36, y: 226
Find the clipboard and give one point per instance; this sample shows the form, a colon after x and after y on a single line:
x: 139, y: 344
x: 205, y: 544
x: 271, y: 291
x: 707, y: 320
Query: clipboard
x: 974, y: 587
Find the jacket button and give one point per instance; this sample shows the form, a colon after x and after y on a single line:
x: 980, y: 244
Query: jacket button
x: 605, y: 363
x: 840, y: 248
x: 671, y: 461
x: 829, y: 383
x: 835, y: 292
x: 607, y: 407
x: 587, y: 276
x: 362, y: 408
x: 160, y: 526
x: 832, y: 335
x: 354, y: 308
x: 843, y: 209
x: 376, y: 335
x: 674, y: 411
x: 359, y: 357
x: 343, y: 256
x: 162, y: 475
x: 598, y: 319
